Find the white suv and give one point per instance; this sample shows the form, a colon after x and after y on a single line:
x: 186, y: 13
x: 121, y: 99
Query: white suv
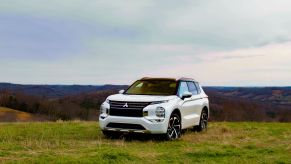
x: 157, y: 106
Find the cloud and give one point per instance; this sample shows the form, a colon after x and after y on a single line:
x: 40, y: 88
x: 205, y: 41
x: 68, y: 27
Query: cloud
x: 271, y: 67
x: 216, y: 25
x: 98, y: 41
x: 34, y: 38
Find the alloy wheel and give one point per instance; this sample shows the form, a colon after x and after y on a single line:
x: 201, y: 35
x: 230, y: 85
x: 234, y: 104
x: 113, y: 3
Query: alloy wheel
x: 203, y: 120
x: 174, y: 127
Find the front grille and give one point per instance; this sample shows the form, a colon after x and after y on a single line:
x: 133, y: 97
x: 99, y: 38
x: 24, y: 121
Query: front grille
x: 127, y: 109
x: 125, y: 126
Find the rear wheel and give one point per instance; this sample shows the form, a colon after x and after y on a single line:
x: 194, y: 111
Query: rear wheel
x: 174, y: 127
x: 203, y: 121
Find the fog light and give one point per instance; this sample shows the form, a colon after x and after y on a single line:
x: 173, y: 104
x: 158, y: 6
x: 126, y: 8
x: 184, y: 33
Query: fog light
x: 159, y: 120
x: 160, y: 112
x: 156, y: 120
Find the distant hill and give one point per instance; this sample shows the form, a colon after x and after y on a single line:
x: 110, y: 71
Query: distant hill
x: 56, y: 91
x: 82, y: 102
x: 275, y: 95
x: 11, y: 115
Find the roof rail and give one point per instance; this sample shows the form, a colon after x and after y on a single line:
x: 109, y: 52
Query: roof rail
x: 186, y: 78
x: 168, y: 78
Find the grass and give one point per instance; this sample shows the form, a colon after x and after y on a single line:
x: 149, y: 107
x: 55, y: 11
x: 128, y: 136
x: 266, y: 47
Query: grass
x: 83, y: 142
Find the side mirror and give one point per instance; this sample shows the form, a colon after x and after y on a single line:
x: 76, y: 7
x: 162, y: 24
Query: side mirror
x: 186, y: 95
x: 121, y: 92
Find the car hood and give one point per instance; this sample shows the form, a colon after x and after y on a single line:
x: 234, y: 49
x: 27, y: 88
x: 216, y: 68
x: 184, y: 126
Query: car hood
x: 139, y: 98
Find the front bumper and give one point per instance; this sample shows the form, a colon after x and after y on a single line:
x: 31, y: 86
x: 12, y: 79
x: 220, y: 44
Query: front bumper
x: 149, y: 126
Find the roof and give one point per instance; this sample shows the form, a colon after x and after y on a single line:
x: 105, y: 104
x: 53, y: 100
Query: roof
x: 166, y: 78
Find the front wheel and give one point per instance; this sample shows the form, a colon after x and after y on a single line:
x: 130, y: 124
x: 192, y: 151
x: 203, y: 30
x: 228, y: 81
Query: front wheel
x: 203, y: 122
x: 174, y: 127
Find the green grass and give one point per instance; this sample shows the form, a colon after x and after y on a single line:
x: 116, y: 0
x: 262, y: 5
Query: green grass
x: 83, y: 142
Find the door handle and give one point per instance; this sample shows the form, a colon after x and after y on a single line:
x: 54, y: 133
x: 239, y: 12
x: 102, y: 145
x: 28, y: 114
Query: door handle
x: 197, y: 98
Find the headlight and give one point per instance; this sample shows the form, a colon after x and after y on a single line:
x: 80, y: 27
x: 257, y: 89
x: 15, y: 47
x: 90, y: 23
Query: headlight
x: 103, y: 110
x: 107, y: 101
x: 160, y: 112
x: 159, y: 102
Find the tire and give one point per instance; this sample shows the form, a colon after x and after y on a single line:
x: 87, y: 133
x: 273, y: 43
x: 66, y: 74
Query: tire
x: 203, y: 122
x: 111, y: 134
x: 174, y: 127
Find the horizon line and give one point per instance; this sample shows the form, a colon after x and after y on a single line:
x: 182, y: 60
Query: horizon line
x: 228, y: 86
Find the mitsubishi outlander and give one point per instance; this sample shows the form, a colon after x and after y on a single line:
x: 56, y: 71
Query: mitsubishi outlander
x: 156, y: 106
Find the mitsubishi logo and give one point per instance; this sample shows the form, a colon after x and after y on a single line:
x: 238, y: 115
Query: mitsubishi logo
x: 125, y: 105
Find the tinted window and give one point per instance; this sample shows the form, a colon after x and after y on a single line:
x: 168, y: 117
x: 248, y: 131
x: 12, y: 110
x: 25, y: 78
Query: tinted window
x: 183, y: 88
x: 192, y: 88
x: 153, y: 87
x: 198, y: 87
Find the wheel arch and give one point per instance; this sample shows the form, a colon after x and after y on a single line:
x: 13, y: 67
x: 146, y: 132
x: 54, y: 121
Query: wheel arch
x: 207, y: 110
x: 177, y: 111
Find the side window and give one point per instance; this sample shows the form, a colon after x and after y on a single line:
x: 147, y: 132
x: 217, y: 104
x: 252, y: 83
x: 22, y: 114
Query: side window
x: 198, y: 87
x: 183, y: 88
x: 192, y: 88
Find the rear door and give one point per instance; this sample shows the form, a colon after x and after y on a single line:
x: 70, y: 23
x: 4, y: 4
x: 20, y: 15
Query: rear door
x: 197, y: 102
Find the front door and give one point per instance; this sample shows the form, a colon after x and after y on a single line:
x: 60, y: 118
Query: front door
x: 187, y: 106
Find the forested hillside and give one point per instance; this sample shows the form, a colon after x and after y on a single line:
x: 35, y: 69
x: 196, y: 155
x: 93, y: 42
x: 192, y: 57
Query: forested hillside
x: 82, y: 102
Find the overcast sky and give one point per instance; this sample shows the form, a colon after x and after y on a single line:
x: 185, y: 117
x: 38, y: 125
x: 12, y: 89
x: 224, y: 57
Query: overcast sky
x: 217, y: 42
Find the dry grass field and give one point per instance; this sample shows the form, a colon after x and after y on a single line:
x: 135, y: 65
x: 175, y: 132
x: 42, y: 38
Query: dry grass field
x: 11, y: 115
x: 83, y: 142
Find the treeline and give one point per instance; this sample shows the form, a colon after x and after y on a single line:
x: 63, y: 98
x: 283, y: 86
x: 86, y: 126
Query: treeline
x: 224, y: 108
x: 82, y: 106
x: 86, y: 107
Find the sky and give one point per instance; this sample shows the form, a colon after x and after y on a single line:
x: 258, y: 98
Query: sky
x: 217, y: 42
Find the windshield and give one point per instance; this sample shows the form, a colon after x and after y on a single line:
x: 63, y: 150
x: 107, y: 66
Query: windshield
x: 153, y: 87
